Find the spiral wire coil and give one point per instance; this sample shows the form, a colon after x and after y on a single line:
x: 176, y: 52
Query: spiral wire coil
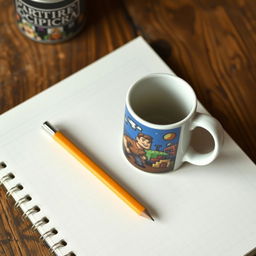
x: 31, y: 211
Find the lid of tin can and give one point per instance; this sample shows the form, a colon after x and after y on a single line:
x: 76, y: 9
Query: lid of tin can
x: 48, y: 1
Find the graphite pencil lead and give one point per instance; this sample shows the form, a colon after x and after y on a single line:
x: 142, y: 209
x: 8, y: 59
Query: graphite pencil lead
x: 146, y: 214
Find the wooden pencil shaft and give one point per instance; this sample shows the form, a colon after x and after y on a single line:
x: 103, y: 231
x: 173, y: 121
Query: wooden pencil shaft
x: 98, y: 172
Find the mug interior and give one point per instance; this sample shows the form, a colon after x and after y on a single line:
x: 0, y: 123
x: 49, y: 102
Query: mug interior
x: 162, y: 99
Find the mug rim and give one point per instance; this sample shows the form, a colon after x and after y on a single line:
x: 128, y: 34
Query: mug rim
x: 161, y: 126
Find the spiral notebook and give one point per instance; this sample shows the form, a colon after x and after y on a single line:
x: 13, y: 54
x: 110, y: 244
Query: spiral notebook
x: 208, y: 210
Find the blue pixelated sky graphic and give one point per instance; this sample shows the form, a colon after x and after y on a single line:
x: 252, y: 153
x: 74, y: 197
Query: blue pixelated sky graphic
x: 132, y: 128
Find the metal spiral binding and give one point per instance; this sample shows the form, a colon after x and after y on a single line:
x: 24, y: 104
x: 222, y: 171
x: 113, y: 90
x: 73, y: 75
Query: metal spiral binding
x: 6, y: 177
x: 14, y: 189
x: 58, y: 245
x: 70, y: 254
x: 49, y: 233
x: 31, y: 211
x: 39, y: 223
x: 34, y: 209
x: 22, y: 200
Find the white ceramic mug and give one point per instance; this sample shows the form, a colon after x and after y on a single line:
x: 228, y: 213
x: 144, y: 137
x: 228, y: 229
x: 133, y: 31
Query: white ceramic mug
x: 159, y: 118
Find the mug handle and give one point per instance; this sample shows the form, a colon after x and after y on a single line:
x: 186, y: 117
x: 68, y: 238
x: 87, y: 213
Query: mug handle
x: 215, y: 129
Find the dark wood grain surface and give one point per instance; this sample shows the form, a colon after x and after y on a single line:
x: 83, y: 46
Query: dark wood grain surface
x: 211, y: 44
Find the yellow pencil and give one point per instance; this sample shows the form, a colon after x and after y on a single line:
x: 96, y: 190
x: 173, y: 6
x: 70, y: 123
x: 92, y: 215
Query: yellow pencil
x: 97, y: 171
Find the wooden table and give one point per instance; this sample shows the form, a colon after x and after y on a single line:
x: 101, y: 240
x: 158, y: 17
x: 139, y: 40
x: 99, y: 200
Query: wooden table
x: 211, y: 44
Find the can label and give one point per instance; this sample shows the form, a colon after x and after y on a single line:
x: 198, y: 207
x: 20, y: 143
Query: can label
x: 49, y: 22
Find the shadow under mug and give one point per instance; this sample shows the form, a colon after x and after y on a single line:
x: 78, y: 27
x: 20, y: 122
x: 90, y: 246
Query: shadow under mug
x: 160, y: 115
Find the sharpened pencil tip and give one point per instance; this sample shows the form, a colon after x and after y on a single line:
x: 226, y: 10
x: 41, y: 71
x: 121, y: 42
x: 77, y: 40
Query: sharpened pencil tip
x: 146, y: 214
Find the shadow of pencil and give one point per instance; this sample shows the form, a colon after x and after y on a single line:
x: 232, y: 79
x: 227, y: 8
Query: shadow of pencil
x: 103, y: 165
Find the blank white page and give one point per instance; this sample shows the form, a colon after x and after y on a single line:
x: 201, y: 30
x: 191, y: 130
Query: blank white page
x: 208, y: 210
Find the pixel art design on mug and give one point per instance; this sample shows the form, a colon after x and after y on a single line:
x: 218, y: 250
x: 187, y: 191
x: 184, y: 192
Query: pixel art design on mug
x: 148, y: 149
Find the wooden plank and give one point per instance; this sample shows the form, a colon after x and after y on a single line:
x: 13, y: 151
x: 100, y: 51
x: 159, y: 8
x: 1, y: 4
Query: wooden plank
x: 212, y: 45
x: 27, y: 67
x: 16, y: 236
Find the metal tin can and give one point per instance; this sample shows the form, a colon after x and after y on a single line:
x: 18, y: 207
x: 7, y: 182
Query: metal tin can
x: 50, y: 21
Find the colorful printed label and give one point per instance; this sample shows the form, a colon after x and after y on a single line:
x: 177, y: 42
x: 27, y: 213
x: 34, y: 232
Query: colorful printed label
x: 149, y: 149
x: 49, y: 22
